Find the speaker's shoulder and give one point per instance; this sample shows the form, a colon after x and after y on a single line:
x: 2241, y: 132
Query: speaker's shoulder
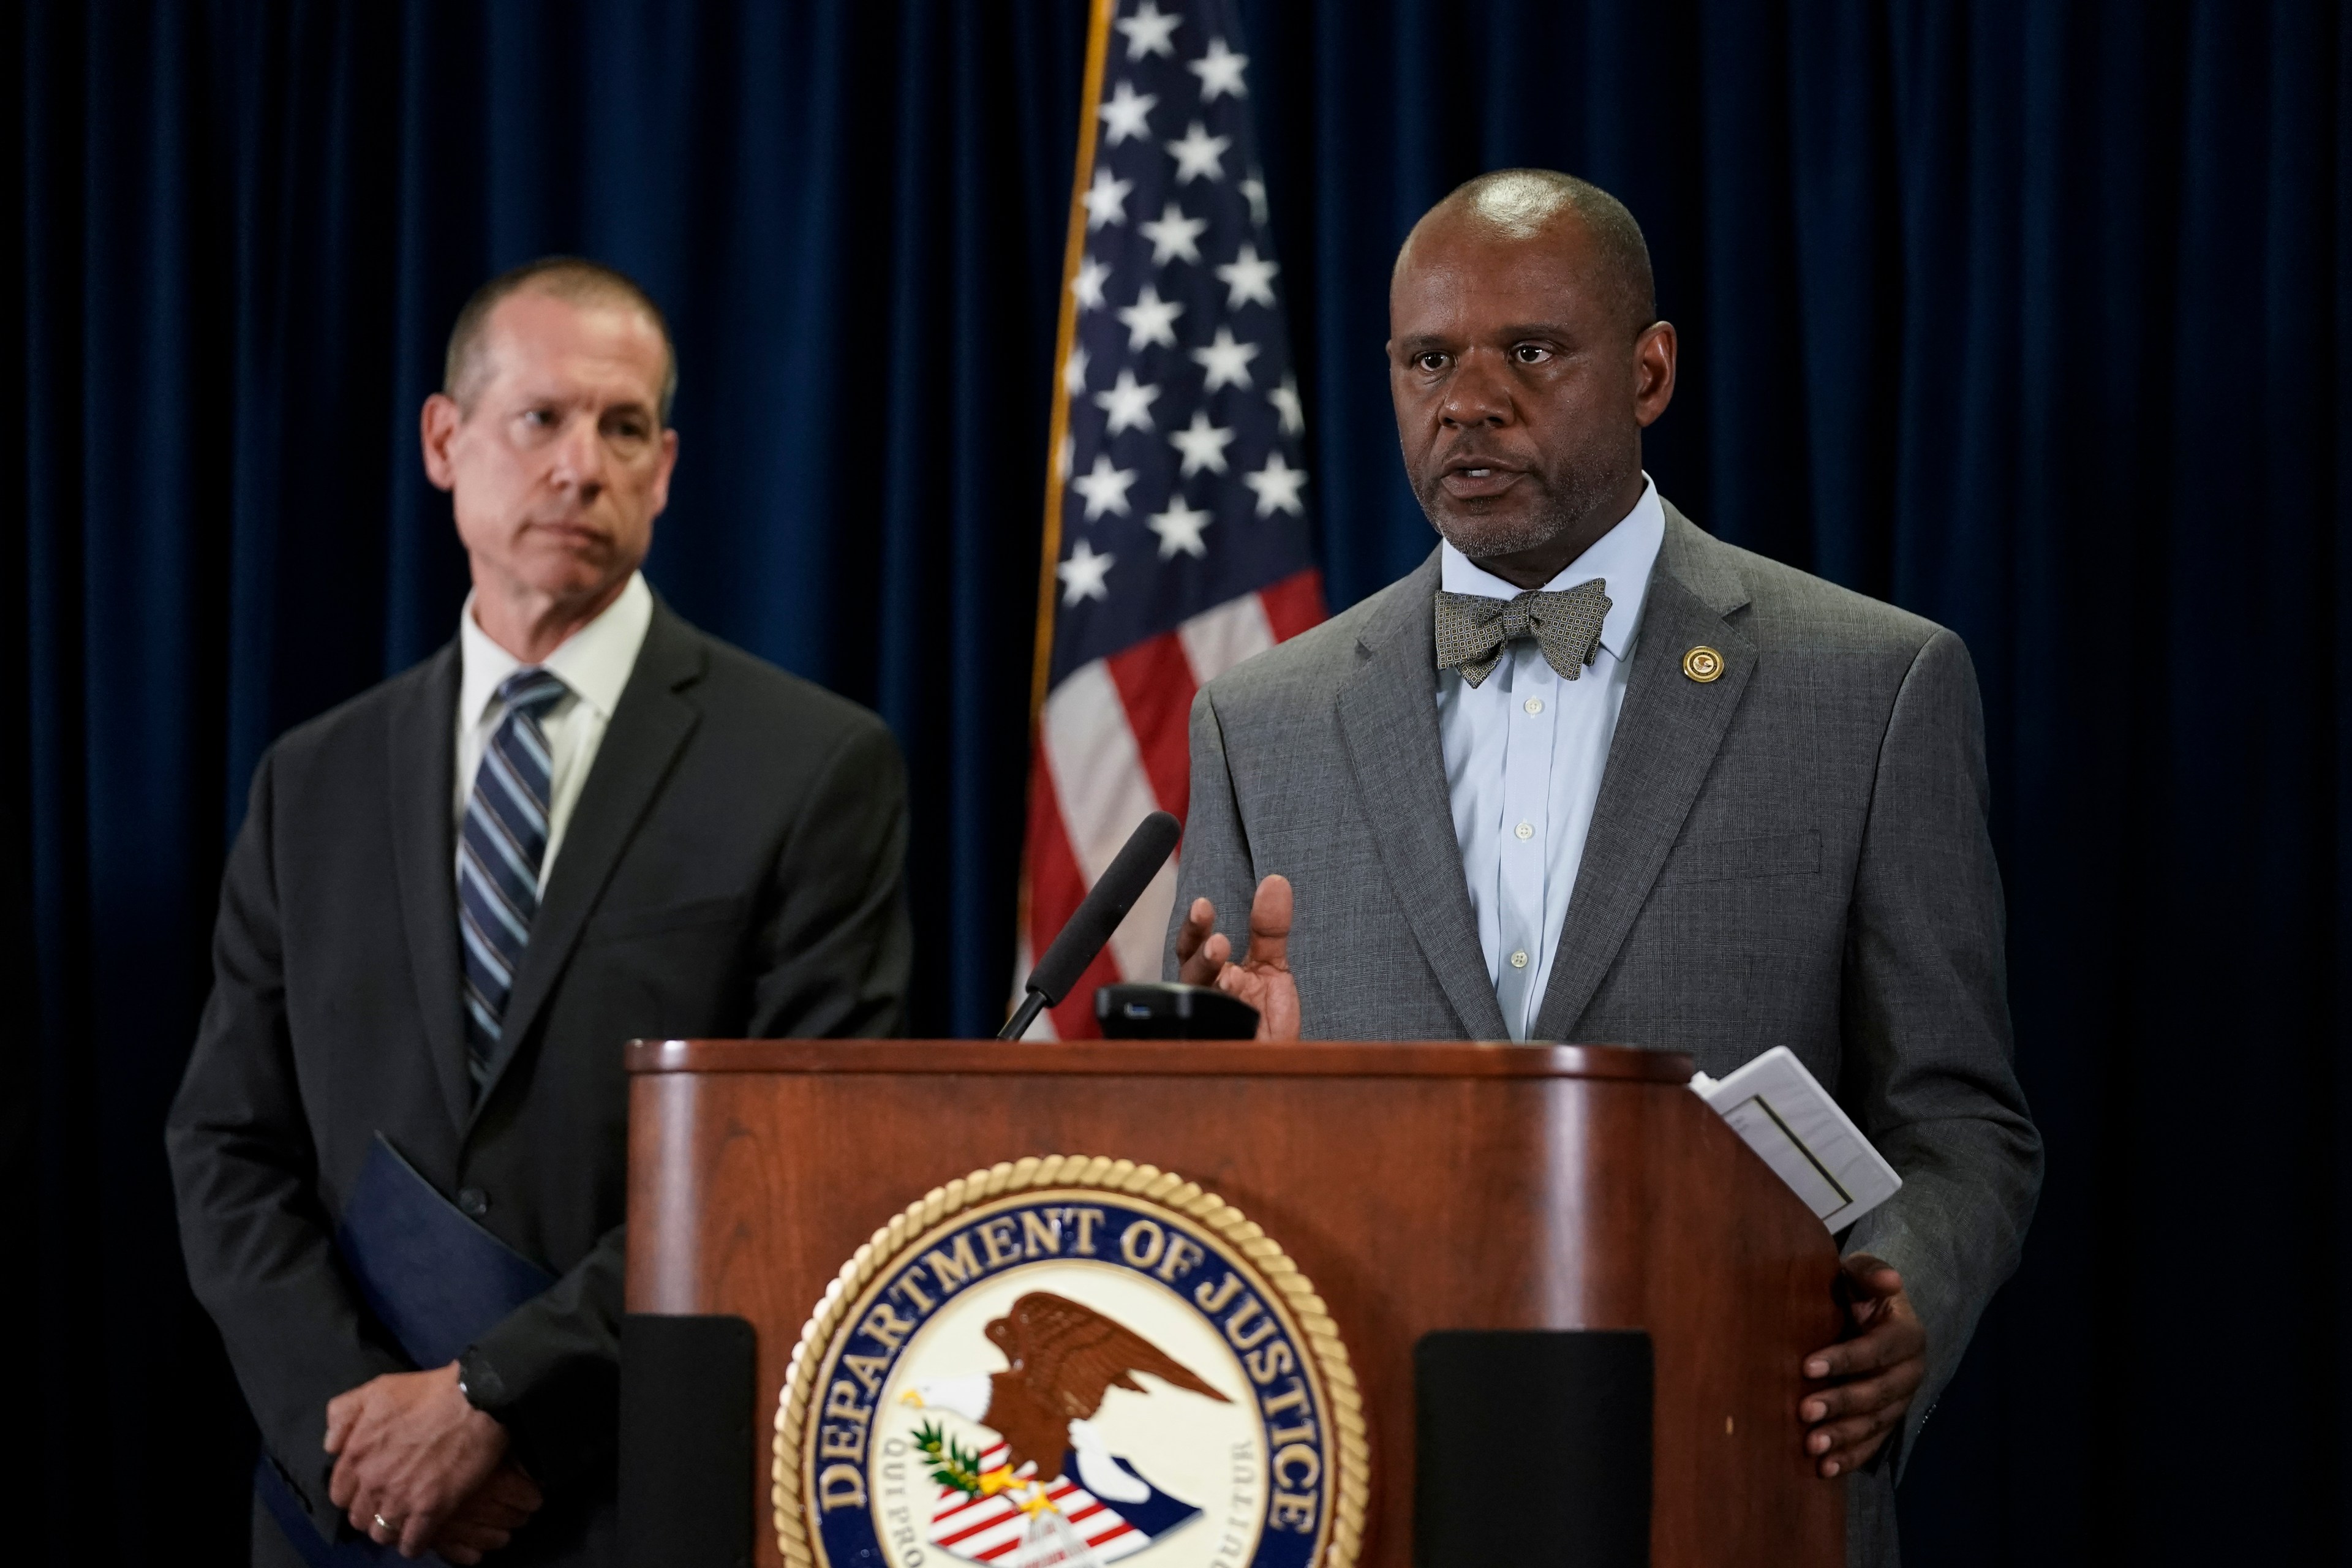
x: 1310, y: 668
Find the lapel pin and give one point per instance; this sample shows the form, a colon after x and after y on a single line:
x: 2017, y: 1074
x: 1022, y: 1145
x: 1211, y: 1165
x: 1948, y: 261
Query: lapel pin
x: 1703, y: 664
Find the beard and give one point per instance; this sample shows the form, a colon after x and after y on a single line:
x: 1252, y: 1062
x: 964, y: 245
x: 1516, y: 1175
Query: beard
x: 1558, y: 504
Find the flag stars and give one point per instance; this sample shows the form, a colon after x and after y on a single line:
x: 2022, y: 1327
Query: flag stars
x: 1226, y: 360
x: 1247, y: 278
x: 1199, y: 154
x: 1180, y: 527
x: 1149, y: 33
x: 1276, y: 487
x: 1220, y: 71
x: 1128, y: 405
x: 1285, y: 399
x: 1203, y: 444
x: 1082, y: 575
x: 1104, y: 488
x: 1254, y: 191
x: 1074, y: 370
x: 1106, y: 199
x: 1127, y: 113
x: 1087, y: 286
x: 1173, y: 235
x: 1151, y: 320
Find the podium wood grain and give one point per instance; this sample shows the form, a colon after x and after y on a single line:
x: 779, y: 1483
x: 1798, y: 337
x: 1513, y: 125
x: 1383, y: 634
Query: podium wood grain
x: 1420, y: 1187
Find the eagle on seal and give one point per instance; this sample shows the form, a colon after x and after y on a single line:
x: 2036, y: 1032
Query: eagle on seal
x: 1061, y: 1358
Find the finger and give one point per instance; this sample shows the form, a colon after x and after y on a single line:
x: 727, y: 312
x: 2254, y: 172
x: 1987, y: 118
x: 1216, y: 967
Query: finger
x: 1872, y: 1275
x: 1850, y: 1442
x: 417, y: 1532
x: 1270, y: 924
x: 1199, y: 922
x: 464, y: 1556
x: 1885, y: 1343
x: 1896, y: 1388
x: 342, y: 1410
x: 343, y: 1487
x: 1209, y: 948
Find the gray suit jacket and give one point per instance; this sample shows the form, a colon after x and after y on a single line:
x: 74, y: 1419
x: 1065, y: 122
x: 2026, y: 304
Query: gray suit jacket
x: 1794, y: 854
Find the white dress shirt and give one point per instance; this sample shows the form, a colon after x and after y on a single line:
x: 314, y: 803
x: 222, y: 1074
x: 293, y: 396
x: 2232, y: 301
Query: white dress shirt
x: 594, y: 662
x: 1523, y: 754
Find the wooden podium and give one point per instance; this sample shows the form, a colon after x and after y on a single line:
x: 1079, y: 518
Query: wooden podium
x: 1420, y: 1187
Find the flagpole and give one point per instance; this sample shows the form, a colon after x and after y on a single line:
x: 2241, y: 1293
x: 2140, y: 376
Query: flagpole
x: 1073, y: 249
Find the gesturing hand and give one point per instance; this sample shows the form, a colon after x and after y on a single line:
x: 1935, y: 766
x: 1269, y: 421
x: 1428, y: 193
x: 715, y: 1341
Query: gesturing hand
x: 1204, y: 955
x: 409, y: 1451
x: 1872, y: 1375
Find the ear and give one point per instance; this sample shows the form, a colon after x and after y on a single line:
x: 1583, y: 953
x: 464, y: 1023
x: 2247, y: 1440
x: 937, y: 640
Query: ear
x: 668, y: 466
x: 1654, y: 372
x: 437, y: 427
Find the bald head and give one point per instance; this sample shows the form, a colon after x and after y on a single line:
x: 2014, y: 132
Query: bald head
x: 1546, y: 208
x: 1525, y: 361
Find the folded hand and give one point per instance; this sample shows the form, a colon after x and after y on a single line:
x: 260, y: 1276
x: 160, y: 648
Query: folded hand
x: 409, y: 1452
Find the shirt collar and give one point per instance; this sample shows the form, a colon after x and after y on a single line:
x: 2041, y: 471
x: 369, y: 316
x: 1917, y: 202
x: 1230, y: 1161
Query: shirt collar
x: 594, y: 661
x: 1624, y: 556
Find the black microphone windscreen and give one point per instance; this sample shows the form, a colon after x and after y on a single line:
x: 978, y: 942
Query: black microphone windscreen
x: 1105, y: 905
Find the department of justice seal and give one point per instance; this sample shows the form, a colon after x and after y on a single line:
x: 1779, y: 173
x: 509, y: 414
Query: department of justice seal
x: 1070, y: 1361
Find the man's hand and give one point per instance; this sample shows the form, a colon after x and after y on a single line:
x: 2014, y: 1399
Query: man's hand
x: 1204, y: 955
x: 1874, y: 1375
x: 409, y: 1451
x: 487, y: 1520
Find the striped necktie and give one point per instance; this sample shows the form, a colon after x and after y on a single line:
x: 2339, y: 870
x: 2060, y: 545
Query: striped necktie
x: 500, y: 850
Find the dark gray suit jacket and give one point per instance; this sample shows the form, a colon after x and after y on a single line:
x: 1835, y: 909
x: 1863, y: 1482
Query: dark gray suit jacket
x: 732, y: 868
x: 1794, y: 854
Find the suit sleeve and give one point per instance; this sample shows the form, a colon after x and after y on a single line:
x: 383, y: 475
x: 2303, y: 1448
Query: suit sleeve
x: 1214, y: 861
x: 259, y: 1244
x: 1927, y: 1060
x: 833, y: 960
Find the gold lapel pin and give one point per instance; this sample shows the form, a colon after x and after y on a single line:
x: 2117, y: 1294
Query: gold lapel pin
x: 1703, y: 664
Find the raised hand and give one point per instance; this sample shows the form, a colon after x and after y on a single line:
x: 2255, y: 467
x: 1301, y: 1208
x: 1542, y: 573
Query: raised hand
x: 1204, y: 957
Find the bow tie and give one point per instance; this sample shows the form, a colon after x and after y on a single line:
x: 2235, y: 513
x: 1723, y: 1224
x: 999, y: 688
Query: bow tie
x: 1472, y: 628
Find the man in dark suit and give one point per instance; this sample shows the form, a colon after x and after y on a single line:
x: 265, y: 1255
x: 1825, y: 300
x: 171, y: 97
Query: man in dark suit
x: 1590, y: 774
x: 454, y: 898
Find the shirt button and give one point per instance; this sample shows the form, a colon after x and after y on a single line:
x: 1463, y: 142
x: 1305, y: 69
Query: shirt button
x: 1535, y: 704
x: 1525, y: 830
x: 1518, y: 961
x: 474, y: 1201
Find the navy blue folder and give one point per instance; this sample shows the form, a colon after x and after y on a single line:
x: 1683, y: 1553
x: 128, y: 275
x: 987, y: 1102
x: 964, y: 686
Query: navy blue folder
x: 434, y: 1279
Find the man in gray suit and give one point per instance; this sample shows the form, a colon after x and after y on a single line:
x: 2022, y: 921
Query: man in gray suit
x: 1590, y: 774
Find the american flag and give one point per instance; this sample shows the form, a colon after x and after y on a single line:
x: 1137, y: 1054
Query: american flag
x: 1176, y: 533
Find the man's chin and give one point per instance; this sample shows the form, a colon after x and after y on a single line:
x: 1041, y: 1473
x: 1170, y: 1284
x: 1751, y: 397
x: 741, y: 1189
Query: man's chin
x: 1483, y: 538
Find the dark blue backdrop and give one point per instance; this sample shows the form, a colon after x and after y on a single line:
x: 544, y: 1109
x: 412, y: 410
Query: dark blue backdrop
x: 2031, y: 317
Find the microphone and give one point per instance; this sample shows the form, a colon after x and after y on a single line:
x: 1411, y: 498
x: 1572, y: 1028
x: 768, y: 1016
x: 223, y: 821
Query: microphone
x: 1105, y: 905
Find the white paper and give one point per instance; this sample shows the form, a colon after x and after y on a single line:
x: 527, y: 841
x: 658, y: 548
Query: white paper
x: 1782, y: 1112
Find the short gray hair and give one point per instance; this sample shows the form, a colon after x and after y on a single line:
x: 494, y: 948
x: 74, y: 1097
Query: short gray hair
x: 572, y: 279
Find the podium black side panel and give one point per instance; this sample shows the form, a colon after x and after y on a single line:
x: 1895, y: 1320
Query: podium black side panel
x: 1532, y: 1448
x: 686, y: 1472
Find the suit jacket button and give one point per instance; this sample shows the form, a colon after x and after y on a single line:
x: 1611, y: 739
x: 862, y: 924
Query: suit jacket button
x: 474, y: 1201
x: 1703, y: 664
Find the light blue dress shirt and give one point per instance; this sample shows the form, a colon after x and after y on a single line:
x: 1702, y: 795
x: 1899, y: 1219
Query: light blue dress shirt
x: 1523, y: 754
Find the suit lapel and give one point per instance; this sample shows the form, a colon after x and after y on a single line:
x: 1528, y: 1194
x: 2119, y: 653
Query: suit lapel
x: 1666, y: 739
x: 648, y: 729
x: 425, y: 860
x: 1388, y: 717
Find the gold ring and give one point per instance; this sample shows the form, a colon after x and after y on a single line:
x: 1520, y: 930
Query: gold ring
x: 382, y: 1522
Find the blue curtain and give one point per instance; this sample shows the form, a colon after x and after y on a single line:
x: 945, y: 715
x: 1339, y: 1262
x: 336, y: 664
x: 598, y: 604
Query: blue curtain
x: 2031, y: 317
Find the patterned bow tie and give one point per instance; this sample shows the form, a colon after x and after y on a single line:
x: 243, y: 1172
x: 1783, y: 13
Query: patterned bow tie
x: 1472, y: 628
